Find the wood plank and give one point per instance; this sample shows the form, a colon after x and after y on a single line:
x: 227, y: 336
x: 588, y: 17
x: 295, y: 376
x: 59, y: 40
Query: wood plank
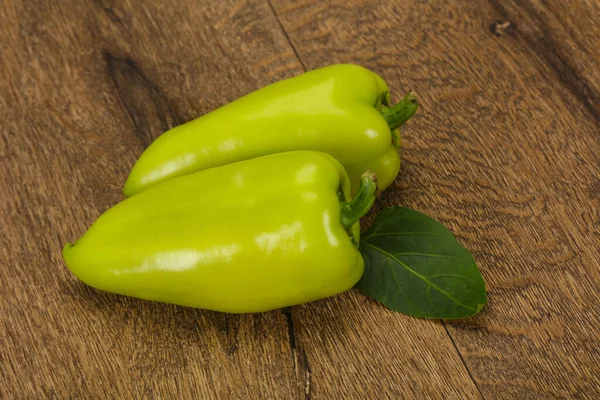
x: 566, y: 38
x: 85, y: 88
x: 505, y: 152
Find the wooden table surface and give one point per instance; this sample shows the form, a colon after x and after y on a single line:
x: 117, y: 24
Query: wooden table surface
x: 505, y: 151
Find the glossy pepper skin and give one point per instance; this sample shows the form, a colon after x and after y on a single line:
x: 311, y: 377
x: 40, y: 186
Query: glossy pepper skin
x: 343, y: 110
x: 252, y: 236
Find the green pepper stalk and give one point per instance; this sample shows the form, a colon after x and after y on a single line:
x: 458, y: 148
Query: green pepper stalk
x: 343, y: 110
x: 352, y: 211
x: 399, y: 114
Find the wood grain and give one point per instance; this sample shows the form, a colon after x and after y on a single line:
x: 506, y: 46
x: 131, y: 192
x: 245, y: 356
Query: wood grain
x: 86, y: 86
x: 504, y: 151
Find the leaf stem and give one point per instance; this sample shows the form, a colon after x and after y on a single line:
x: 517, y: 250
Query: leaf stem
x: 353, y: 210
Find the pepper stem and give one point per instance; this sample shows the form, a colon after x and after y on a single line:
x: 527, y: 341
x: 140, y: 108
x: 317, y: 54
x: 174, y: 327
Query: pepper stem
x: 353, y: 210
x: 397, y: 115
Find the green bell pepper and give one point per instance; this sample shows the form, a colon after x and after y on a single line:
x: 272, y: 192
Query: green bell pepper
x: 251, y: 236
x: 343, y: 110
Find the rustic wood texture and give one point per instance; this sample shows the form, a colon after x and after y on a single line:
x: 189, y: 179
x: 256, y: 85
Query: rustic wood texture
x: 504, y: 151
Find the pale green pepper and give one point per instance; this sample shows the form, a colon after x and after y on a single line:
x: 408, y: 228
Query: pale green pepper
x: 251, y: 236
x: 343, y: 110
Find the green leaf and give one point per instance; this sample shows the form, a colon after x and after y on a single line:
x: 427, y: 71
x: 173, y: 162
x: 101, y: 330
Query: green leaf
x: 414, y: 265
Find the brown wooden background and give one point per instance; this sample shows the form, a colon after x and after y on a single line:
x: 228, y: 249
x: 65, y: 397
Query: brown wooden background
x: 504, y: 151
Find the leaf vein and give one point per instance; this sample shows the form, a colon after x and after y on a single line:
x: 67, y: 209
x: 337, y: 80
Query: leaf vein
x: 402, y: 234
x: 428, y: 255
x: 455, y: 275
x: 417, y: 274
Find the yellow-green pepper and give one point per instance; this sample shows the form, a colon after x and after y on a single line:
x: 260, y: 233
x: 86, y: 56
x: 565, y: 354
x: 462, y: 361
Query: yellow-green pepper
x: 251, y: 236
x: 343, y: 110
